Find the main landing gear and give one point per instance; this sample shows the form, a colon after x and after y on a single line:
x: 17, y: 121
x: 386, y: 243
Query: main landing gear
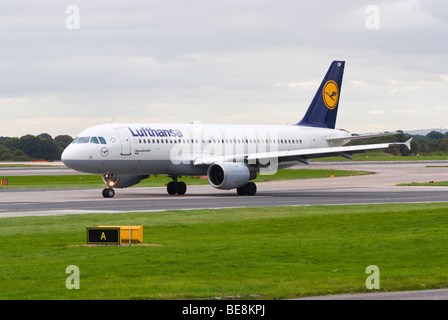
x: 176, y: 187
x: 179, y: 187
x: 249, y: 189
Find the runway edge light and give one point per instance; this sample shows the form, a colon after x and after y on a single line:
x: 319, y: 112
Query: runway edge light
x: 129, y: 234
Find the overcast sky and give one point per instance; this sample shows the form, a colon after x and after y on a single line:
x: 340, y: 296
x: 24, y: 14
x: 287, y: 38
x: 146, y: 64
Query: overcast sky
x: 220, y: 61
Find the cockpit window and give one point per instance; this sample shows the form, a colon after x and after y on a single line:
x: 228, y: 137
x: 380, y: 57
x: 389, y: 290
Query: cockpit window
x: 94, y: 140
x: 102, y: 140
x: 83, y: 140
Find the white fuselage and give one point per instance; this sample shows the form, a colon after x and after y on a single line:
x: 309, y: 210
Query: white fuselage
x: 230, y: 155
x: 172, y: 149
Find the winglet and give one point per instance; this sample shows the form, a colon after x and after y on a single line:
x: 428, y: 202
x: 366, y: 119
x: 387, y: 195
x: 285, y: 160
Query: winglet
x: 407, y: 144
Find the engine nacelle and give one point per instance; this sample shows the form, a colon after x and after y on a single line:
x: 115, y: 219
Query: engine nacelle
x: 122, y: 180
x: 229, y: 175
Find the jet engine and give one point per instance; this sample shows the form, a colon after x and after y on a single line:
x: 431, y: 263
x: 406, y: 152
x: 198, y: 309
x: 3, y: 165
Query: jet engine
x: 229, y: 175
x: 122, y: 180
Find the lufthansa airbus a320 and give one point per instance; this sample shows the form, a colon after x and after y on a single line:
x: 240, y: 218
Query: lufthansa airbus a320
x: 229, y: 155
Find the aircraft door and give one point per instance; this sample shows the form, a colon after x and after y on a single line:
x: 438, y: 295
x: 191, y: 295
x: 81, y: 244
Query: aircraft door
x: 125, y: 141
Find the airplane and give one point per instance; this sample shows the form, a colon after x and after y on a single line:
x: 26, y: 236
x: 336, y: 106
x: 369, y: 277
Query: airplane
x: 229, y: 155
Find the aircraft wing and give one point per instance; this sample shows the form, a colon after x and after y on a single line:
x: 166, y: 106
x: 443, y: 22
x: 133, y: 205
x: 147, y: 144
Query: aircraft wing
x: 298, y: 155
x: 364, y: 136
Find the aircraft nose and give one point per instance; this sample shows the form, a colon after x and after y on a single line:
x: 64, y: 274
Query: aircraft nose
x: 70, y: 157
x: 67, y: 156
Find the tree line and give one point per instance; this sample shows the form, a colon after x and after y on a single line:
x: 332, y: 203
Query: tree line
x: 29, y: 147
x: 44, y: 147
x: 432, y: 144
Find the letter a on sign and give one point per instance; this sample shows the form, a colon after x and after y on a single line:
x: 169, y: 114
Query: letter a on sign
x: 373, y: 281
x: 103, y: 236
x: 72, y: 281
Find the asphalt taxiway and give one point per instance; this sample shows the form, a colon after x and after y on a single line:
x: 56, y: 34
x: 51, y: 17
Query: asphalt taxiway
x: 378, y: 187
x: 437, y: 294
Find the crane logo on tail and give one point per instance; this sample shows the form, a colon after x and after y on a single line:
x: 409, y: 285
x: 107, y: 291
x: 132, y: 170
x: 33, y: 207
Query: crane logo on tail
x: 330, y: 94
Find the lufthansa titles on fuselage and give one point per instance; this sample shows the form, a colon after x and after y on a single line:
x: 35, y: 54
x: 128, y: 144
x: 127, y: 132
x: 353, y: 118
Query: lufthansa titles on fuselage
x: 148, y: 132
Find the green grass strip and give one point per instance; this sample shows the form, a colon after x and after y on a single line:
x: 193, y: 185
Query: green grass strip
x: 426, y: 184
x: 247, y: 253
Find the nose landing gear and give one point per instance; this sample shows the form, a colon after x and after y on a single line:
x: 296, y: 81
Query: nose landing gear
x: 108, y: 193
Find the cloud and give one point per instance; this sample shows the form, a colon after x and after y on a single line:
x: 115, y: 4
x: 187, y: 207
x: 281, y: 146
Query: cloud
x: 441, y: 107
x: 304, y: 85
x: 213, y: 61
x: 376, y: 112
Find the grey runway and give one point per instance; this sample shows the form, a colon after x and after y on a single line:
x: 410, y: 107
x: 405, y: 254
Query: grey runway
x: 375, y: 188
x: 96, y: 204
x: 438, y: 294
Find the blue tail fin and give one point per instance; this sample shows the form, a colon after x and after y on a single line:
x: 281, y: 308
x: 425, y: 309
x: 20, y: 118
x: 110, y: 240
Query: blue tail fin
x: 324, y: 107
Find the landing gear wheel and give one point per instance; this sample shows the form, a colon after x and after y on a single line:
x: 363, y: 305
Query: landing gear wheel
x: 240, y: 191
x: 176, y: 187
x: 181, y: 187
x: 108, y: 193
x: 171, y: 188
x: 249, y: 189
